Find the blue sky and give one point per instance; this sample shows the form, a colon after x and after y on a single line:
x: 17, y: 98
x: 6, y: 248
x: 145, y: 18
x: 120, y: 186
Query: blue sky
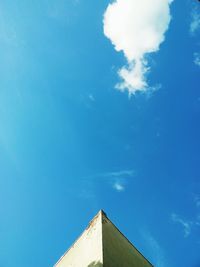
x: 72, y: 143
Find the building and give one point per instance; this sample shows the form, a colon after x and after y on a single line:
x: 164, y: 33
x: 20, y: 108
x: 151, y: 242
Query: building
x: 102, y: 245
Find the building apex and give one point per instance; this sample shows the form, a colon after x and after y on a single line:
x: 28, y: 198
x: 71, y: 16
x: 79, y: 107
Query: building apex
x: 102, y: 244
x: 102, y: 212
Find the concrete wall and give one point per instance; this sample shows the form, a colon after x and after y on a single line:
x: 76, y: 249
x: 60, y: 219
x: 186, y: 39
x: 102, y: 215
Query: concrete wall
x: 118, y: 251
x: 87, y: 250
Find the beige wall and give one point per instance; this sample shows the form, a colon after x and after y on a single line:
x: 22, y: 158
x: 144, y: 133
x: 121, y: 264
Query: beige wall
x: 87, y: 250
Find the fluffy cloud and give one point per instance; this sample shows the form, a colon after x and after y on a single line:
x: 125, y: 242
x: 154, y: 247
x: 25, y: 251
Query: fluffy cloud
x: 137, y: 28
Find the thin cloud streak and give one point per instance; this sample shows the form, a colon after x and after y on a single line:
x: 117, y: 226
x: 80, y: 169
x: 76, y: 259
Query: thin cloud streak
x: 188, y: 225
x: 185, y: 224
x: 157, y: 252
x: 129, y: 173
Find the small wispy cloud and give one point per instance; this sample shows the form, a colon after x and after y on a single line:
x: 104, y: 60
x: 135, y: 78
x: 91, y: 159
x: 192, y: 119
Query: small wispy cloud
x: 189, y: 226
x: 195, y: 19
x: 119, y: 186
x: 136, y: 28
x: 197, y: 201
x: 157, y: 252
x: 91, y: 97
x: 197, y: 59
x: 119, y: 179
x: 186, y: 225
x: 195, y: 28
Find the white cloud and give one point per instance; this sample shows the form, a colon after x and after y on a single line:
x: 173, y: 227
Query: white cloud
x: 195, y: 21
x: 197, y: 59
x: 118, y: 179
x: 91, y: 97
x: 137, y: 28
x: 118, y: 186
x: 185, y: 224
x: 194, y: 28
x: 189, y: 225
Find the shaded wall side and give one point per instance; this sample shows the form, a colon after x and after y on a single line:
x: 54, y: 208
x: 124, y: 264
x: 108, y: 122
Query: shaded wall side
x: 118, y: 251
